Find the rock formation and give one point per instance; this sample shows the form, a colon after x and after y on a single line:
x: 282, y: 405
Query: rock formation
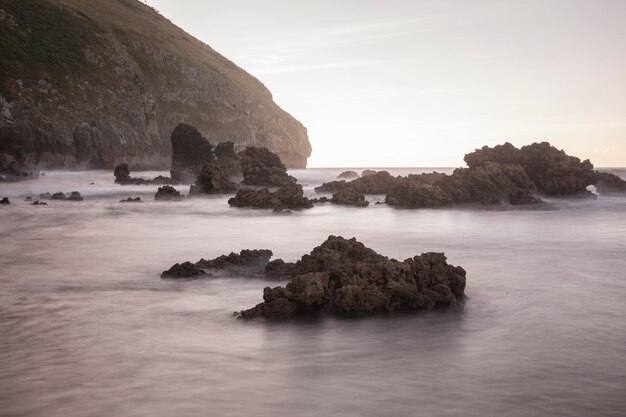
x: 122, y: 176
x: 552, y: 170
x: 167, y: 193
x: 131, y: 200
x: 377, y: 183
x: 190, y: 152
x: 262, y: 167
x: 287, y: 197
x: 349, y: 197
x: 115, y: 81
x: 211, y: 180
x: 367, y: 172
x: 607, y: 183
x: 246, y: 263
x: 5, y: 201
x: 343, y: 276
x: 348, y: 174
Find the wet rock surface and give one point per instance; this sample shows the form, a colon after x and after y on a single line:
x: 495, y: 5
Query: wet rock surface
x: 261, y: 167
x: 288, y: 197
x: 342, y: 276
x: 349, y: 197
x: 247, y: 263
x: 167, y: 193
x: 211, y: 180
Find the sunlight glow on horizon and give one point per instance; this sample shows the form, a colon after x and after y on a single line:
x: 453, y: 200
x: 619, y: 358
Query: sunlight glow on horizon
x: 406, y: 83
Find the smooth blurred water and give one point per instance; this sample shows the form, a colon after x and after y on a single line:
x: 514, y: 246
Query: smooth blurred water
x: 87, y: 327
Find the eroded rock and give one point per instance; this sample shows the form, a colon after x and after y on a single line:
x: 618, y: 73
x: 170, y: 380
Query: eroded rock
x: 211, y: 180
x: 167, y: 193
x: 246, y: 263
x: 348, y: 174
x: 349, y: 197
x: 261, y: 167
x: 288, y: 197
x: 608, y: 183
x: 190, y: 152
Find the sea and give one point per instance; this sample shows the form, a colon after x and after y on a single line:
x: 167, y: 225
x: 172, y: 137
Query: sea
x: 88, y: 327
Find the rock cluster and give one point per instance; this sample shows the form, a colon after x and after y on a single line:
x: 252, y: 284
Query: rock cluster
x: 261, y: 167
x: 550, y: 169
x: 245, y: 263
x: 348, y: 174
x: 167, y: 193
x: 211, y: 180
x: 343, y: 276
x: 122, y: 176
x: 131, y: 200
x: 377, y: 183
x: 289, y: 197
x: 73, y: 196
x: 349, y: 197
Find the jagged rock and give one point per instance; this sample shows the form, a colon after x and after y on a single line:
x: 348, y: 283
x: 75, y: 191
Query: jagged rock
x: 348, y: 174
x: 287, y: 197
x: 167, y: 193
x: 58, y: 196
x: 184, y: 270
x: 122, y: 176
x: 73, y: 196
x: 45, y: 196
x: 190, y: 152
x: 245, y: 263
x: 552, y: 170
x: 39, y: 203
x: 211, y: 180
x: 377, y: 183
x: 343, y: 276
x: 607, y: 183
x: 367, y: 172
x: 349, y: 197
x: 131, y: 200
x: 322, y: 199
x: 262, y: 167
x: 492, y: 183
x: 5, y: 201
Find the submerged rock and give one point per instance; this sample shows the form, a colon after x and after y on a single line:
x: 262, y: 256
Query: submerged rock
x: 122, y: 176
x: 211, y: 180
x: 262, y: 167
x: 343, y: 276
x: 288, y: 197
x: 39, y: 203
x: 350, y: 197
x: 5, y: 201
x: 74, y: 196
x: 348, y: 174
x: 245, y: 263
x: 607, y: 183
x: 167, y: 193
x: 131, y: 200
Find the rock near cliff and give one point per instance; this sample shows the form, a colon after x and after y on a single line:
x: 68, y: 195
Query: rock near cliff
x: 92, y: 84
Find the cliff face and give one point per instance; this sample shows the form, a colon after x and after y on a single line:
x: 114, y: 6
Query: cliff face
x: 89, y: 84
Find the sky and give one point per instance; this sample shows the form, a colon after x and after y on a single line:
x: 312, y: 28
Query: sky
x: 402, y: 83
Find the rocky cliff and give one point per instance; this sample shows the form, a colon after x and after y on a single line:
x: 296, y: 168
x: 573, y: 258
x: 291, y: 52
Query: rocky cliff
x: 88, y: 84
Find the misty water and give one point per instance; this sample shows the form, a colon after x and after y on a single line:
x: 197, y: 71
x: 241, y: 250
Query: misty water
x: 88, y: 328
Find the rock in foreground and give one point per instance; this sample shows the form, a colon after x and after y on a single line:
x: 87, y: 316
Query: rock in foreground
x: 343, y: 276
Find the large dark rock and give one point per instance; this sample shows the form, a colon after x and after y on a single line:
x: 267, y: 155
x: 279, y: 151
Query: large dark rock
x: 167, y: 193
x: 246, y: 263
x: 343, y: 276
x: 350, y: 197
x: 5, y: 201
x: 287, y: 197
x: 552, y: 170
x: 608, y: 183
x: 378, y: 183
x: 262, y: 167
x: 190, y: 152
x: 211, y: 180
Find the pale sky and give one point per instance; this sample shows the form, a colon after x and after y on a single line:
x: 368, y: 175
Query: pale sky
x: 422, y: 82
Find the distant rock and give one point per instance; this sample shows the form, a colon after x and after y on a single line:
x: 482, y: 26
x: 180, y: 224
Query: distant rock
x: 343, y: 276
x: 190, y: 152
x: 288, y: 197
x: 5, y: 201
x: 74, y: 196
x: 58, y: 196
x: 39, y: 203
x: 122, y: 176
x: 377, y: 183
x: 211, y: 180
x: 14, y: 169
x: 350, y: 197
x: 607, y: 183
x: 45, y: 196
x: 550, y: 169
x: 167, y: 193
x: 261, y: 167
x: 247, y: 263
x: 367, y: 172
x: 131, y: 200
x: 348, y: 174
